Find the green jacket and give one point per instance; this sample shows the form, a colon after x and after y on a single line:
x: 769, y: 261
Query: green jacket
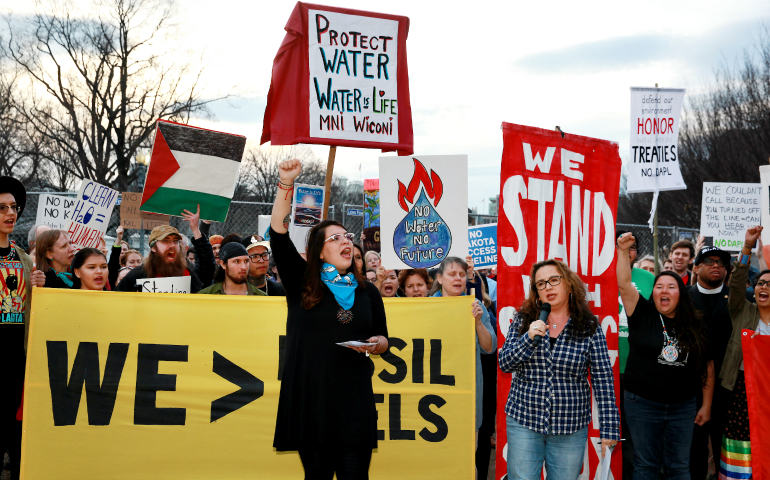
x: 216, y: 289
x: 744, y: 315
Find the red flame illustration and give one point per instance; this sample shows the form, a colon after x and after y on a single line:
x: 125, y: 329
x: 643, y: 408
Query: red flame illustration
x: 433, y: 189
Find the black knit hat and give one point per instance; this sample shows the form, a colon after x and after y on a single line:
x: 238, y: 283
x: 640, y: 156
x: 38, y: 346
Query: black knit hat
x: 232, y: 250
x: 15, y: 188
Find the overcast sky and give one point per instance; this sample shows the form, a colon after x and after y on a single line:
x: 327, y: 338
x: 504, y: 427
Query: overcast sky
x: 475, y: 64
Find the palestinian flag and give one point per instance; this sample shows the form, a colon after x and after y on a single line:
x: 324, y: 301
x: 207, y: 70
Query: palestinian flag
x: 192, y: 166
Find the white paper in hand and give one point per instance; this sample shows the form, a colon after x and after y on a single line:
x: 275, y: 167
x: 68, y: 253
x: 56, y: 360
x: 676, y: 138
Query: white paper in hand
x: 606, y: 461
x: 356, y: 343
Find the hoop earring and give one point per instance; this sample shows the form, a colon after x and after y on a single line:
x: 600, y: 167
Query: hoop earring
x: 537, y: 302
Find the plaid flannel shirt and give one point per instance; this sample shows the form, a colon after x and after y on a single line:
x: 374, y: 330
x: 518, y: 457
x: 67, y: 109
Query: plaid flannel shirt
x: 549, y: 387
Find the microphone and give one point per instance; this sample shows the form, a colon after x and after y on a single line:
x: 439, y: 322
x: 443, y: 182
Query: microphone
x: 545, y: 310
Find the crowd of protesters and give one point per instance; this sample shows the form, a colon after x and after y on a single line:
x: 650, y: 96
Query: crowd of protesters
x: 683, y: 396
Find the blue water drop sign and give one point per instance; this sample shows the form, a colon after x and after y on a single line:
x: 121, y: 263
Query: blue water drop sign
x: 422, y: 239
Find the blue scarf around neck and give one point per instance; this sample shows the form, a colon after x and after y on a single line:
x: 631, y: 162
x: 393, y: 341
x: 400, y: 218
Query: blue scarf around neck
x: 342, y: 286
x: 65, y: 277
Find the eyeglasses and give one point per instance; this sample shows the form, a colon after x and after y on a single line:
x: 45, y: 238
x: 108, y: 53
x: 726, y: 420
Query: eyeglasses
x: 338, y: 237
x: 4, y: 209
x: 553, y: 281
x: 256, y: 257
x: 711, y: 261
x: 763, y: 283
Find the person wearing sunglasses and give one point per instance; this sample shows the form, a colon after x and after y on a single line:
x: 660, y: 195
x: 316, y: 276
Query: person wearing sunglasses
x: 259, y: 262
x: 326, y: 407
x: 735, y: 450
x: 549, y: 404
x: 16, y: 293
x: 668, y: 366
x: 709, y: 295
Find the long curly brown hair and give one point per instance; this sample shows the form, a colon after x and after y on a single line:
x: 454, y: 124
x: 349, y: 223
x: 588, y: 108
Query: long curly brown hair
x: 313, y: 289
x: 583, y: 321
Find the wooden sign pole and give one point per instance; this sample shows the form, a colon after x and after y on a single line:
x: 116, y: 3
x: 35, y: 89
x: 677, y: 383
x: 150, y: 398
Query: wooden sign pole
x: 328, y: 182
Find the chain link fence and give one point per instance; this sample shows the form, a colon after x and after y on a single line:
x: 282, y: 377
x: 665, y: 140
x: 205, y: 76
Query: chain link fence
x: 667, y: 236
x: 243, y: 219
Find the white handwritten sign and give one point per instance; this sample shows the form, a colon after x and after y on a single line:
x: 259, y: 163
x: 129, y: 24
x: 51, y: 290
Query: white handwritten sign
x: 353, y: 77
x: 90, y: 214
x: 654, y: 159
x: 727, y: 210
x: 54, y: 211
x: 164, y: 285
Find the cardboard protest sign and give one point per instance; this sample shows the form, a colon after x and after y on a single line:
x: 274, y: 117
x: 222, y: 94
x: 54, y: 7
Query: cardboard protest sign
x: 372, y: 214
x: 306, y: 211
x: 424, y: 208
x: 727, y: 210
x: 164, y: 284
x: 558, y: 199
x: 131, y: 218
x: 340, y: 78
x: 483, y: 245
x: 212, y: 365
x: 654, y: 151
x: 192, y: 166
x: 764, y: 178
x: 90, y: 214
x: 54, y: 211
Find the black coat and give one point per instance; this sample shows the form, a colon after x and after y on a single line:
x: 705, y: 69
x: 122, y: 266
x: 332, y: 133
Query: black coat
x: 719, y: 326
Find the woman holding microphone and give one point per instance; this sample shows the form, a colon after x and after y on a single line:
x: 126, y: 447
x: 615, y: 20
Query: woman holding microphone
x: 326, y: 407
x: 549, y: 405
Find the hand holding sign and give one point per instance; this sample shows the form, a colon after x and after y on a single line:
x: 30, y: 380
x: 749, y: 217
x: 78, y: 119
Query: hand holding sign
x: 37, y: 278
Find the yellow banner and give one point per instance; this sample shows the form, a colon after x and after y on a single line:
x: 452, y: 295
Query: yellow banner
x: 208, y: 367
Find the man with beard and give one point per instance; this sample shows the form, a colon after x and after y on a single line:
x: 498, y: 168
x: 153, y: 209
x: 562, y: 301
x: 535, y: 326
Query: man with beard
x: 259, y: 261
x: 709, y: 295
x: 167, y: 260
x: 231, y: 277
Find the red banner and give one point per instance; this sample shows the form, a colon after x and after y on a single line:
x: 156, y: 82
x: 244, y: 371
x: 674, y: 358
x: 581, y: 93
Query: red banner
x: 756, y: 365
x: 340, y: 78
x: 558, y: 199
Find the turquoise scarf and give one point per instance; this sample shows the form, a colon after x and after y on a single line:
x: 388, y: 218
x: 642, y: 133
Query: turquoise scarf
x: 65, y: 277
x: 342, y: 286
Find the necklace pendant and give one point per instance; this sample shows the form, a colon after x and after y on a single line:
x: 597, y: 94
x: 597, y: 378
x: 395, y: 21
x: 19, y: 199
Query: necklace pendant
x: 344, y: 316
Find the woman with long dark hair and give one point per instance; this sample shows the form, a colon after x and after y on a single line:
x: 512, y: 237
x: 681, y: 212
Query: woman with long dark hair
x: 90, y: 270
x: 326, y: 408
x: 667, y: 364
x: 549, y: 405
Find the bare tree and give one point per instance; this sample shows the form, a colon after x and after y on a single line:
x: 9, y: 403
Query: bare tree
x: 19, y: 153
x: 725, y: 137
x: 258, y: 178
x: 107, y: 75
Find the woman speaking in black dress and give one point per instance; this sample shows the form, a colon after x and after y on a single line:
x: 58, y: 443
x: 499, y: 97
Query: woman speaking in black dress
x: 326, y: 410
